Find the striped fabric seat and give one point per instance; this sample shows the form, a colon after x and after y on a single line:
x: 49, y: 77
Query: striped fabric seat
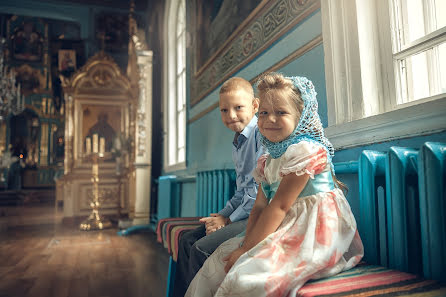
x: 371, y: 280
x: 169, y: 231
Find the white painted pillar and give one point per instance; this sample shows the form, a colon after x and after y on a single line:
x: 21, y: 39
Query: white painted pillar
x: 143, y: 139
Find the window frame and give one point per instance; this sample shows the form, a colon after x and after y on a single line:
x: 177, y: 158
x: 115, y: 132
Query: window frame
x: 171, y: 89
x: 360, y: 79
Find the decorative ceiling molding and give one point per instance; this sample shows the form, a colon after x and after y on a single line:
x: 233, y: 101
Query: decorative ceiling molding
x: 269, y: 24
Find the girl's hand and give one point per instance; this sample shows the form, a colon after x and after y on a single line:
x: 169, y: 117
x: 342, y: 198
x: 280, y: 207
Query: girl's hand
x: 214, y: 222
x: 233, y: 257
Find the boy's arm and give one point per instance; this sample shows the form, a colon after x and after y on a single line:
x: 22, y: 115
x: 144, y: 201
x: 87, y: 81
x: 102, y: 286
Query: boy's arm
x: 243, y: 200
x: 216, y: 221
x: 236, y: 209
x: 232, y: 204
x: 241, y: 204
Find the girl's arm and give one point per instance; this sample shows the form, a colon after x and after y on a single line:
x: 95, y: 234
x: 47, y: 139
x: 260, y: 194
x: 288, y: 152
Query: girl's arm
x: 272, y: 215
x: 256, y: 210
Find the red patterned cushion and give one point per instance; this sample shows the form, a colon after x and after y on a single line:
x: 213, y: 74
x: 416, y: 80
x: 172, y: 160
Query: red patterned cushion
x: 370, y: 280
x: 170, y: 229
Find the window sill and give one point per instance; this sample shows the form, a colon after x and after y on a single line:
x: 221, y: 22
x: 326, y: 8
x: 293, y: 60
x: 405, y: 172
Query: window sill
x: 175, y: 167
x: 415, y: 120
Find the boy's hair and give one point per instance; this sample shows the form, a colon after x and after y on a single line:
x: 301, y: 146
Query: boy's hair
x: 237, y: 83
x: 273, y: 85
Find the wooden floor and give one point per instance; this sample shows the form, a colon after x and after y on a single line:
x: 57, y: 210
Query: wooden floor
x: 41, y: 257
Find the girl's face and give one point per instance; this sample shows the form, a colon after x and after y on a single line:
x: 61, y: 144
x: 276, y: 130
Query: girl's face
x: 277, y: 119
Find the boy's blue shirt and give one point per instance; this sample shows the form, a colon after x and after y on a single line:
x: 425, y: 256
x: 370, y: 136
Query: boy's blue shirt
x: 244, y: 154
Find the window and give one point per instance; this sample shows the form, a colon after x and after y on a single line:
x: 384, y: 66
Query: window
x: 419, y: 48
x: 175, y: 86
x: 385, y: 71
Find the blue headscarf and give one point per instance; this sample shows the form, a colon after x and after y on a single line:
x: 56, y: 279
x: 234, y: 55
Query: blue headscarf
x: 309, y: 127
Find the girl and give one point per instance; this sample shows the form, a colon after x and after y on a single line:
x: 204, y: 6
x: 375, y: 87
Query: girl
x: 301, y: 226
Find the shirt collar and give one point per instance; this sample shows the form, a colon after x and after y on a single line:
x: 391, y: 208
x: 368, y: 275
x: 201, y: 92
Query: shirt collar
x: 250, y: 127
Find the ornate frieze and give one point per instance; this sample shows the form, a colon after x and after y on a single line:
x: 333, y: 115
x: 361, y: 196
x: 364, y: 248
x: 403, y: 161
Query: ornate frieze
x: 267, y: 26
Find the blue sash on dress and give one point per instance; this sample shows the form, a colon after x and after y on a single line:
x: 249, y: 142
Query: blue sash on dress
x: 322, y: 182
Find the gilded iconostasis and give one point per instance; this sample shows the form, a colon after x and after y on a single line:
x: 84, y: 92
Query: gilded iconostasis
x: 41, y: 52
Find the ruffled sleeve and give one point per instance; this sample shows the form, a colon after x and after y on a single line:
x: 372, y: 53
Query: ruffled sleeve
x: 259, y: 172
x: 303, y: 157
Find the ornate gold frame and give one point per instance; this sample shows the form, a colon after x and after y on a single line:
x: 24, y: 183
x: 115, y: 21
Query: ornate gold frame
x: 99, y: 82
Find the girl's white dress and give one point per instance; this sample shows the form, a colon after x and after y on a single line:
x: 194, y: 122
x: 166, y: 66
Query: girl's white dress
x: 317, y: 238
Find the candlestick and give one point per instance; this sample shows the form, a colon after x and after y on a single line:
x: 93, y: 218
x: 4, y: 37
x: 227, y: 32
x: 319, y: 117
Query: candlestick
x: 95, y: 143
x: 95, y: 221
x: 88, y: 145
x: 102, y: 145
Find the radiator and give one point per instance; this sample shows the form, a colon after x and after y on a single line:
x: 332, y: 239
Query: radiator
x: 403, y: 208
x: 372, y: 221
x: 432, y: 191
x: 214, y: 189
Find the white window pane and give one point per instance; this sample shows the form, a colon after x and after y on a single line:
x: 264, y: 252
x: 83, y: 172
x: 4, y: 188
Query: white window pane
x: 440, y: 14
x: 181, y: 62
x: 181, y: 135
x: 180, y: 93
x: 172, y: 146
x: 442, y: 66
x: 176, y: 128
x: 181, y: 154
x: 415, y: 77
x: 182, y: 84
x: 423, y: 74
x: 181, y: 23
x: 411, y: 21
x: 181, y: 127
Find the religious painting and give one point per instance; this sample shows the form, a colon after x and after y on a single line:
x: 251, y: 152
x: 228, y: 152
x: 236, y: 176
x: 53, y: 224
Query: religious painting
x: 102, y: 120
x: 64, y: 30
x: 27, y: 42
x: 31, y: 80
x: 216, y: 21
x: 67, y: 62
x: 112, y: 32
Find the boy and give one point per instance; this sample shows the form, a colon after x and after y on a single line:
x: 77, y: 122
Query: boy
x: 237, y: 108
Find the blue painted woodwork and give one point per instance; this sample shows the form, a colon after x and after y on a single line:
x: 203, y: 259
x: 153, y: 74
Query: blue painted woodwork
x: 171, y: 277
x: 403, y: 220
x: 349, y: 167
x: 134, y: 229
x: 168, y: 197
x: 371, y: 177
x: 432, y: 177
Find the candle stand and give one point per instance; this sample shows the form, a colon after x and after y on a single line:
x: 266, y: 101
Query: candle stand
x: 95, y: 221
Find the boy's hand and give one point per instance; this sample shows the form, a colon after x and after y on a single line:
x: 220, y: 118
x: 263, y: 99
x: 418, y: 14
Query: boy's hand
x: 233, y: 257
x: 214, y: 222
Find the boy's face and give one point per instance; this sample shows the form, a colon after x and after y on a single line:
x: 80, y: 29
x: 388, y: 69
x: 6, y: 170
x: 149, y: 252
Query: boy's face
x: 237, y: 109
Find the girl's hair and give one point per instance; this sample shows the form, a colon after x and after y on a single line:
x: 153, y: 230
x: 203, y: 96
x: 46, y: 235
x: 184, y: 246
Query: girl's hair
x: 339, y: 184
x: 273, y: 85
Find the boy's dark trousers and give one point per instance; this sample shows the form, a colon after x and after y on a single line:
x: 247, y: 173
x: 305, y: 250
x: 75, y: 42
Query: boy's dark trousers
x: 195, y: 247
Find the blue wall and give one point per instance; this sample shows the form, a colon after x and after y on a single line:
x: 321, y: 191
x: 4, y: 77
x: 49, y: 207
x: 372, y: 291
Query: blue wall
x: 209, y: 142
